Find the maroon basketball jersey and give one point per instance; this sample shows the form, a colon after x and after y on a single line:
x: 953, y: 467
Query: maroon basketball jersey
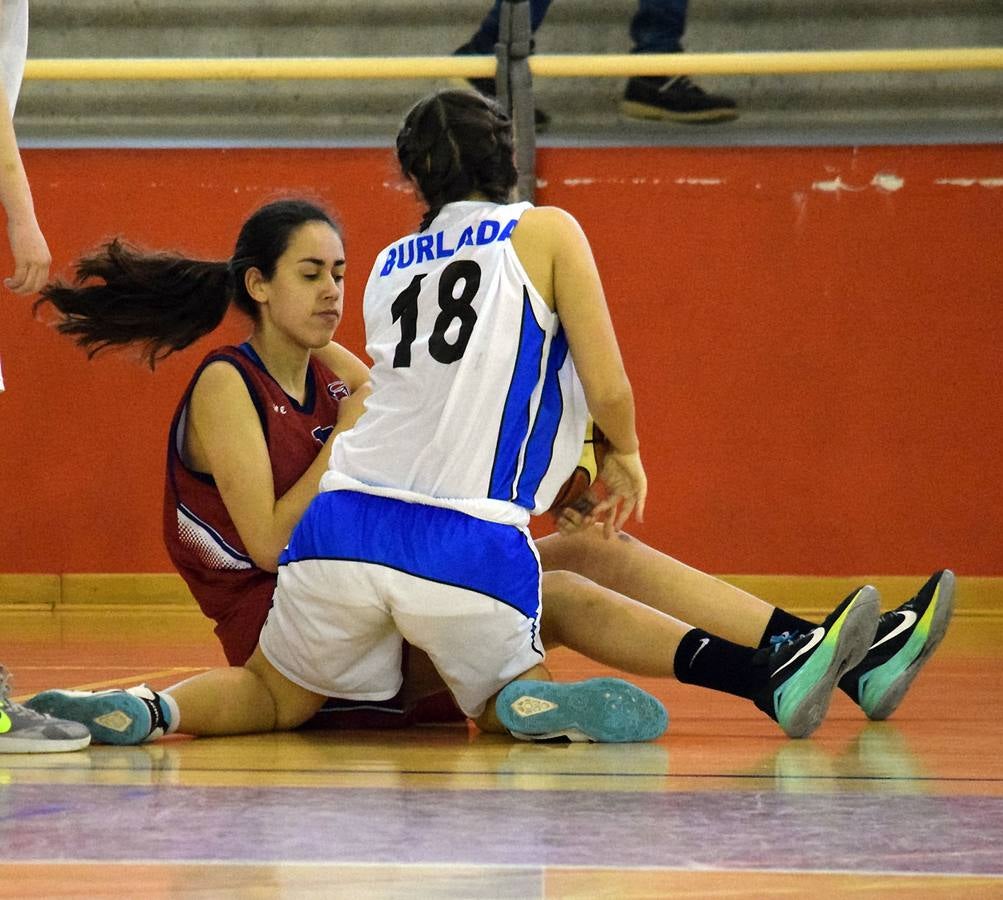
x: 201, y: 538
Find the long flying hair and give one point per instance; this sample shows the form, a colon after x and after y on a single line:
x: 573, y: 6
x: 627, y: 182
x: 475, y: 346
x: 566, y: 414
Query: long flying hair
x: 124, y: 295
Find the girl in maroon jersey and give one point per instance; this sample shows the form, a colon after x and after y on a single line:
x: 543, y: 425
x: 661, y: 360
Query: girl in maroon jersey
x: 249, y: 440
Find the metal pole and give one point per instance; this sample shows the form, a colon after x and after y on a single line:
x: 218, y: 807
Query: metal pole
x: 514, y: 87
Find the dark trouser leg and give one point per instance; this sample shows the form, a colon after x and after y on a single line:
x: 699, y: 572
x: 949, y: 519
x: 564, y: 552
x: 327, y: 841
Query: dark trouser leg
x: 658, y: 26
x: 484, y: 39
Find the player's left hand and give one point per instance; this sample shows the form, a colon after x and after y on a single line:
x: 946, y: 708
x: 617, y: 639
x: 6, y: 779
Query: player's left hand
x: 31, y: 258
x: 626, y: 487
x: 578, y: 515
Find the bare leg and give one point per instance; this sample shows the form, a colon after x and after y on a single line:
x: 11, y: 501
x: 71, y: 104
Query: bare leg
x: 488, y: 720
x: 608, y: 627
x: 630, y: 567
x: 242, y: 700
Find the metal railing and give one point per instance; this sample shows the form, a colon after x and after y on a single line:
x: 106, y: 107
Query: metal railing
x: 542, y: 66
x: 514, y: 68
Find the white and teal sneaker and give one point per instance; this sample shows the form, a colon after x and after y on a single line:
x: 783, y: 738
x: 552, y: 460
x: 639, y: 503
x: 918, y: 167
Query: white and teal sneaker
x: 904, y: 641
x: 23, y: 730
x: 804, y: 668
x: 604, y: 710
x: 132, y: 716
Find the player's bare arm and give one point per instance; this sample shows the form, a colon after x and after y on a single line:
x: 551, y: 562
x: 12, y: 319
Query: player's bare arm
x: 224, y: 439
x: 345, y: 364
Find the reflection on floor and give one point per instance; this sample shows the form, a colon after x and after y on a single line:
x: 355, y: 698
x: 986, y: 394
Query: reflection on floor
x: 722, y: 804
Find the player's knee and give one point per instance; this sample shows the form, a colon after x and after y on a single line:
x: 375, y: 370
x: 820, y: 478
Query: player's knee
x: 291, y: 705
x: 560, y: 585
x: 568, y: 594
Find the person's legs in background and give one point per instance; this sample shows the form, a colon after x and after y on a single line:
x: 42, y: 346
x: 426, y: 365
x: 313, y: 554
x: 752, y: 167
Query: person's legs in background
x: 484, y: 39
x: 483, y: 44
x: 657, y: 27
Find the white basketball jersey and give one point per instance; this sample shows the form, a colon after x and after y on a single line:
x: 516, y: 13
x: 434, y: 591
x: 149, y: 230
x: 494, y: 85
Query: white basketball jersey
x: 476, y: 403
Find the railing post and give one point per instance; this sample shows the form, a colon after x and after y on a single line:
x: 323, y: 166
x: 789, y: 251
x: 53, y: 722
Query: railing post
x: 514, y: 86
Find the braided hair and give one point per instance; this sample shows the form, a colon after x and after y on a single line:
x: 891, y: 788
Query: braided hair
x: 165, y: 301
x: 456, y: 143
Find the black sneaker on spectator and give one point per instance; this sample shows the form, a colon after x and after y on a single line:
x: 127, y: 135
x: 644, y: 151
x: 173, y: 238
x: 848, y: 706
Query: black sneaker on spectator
x: 486, y: 86
x: 676, y: 99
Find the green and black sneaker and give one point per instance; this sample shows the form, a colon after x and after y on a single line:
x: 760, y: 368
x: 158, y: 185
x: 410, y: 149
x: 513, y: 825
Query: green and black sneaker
x: 905, y: 639
x: 805, y: 668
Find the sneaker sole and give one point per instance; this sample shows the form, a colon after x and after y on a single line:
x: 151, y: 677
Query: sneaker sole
x: 115, y: 718
x: 605, y: 710
x: 891, y: 695
x: 43, y: 745
x: 860, y: 622
x: 634, y: 110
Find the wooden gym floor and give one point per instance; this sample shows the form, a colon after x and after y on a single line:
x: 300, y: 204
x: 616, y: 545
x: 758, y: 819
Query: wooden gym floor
x: 722, y: 805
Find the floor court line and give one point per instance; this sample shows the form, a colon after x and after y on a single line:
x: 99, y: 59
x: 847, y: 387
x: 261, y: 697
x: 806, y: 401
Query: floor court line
x: 404, y: 864
x: 473, y: 773
x: 139, y: 678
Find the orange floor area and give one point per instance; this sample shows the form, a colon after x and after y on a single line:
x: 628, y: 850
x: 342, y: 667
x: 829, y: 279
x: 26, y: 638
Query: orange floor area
x: 722, y: 805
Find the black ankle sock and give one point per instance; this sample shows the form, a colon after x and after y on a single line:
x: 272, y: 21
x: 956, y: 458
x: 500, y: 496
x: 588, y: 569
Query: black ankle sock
x: 782, y: 621
x: 715, y: 663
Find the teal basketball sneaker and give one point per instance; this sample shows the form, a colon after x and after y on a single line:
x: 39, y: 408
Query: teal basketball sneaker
x: 604, y: 710
x: 805, y: 668
x: 905, y: 639
x: 112, y: 717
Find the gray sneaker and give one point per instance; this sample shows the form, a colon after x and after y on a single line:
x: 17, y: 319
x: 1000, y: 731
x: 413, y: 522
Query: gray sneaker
x: 23, y: 730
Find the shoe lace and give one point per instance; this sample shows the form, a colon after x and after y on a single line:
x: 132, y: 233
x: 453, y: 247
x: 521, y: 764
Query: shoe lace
x: 6, y: 689
x: 681, y: 83
x: 779, y: 641
x: 6, y: 685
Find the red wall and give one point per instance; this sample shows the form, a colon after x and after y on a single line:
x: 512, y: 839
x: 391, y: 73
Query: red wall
x: 811, y: 334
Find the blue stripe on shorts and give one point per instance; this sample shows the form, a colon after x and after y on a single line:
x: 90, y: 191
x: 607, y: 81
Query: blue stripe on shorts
x: 430, y: 542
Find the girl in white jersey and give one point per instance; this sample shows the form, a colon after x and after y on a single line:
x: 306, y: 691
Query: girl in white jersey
x: 469, y: 322
x: 476, y: 418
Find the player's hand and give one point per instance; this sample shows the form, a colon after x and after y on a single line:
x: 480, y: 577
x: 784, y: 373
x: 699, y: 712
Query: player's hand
x: 350, y: 408
x: 626, y: 487
x: 31, y: 257
x: 579, y: 514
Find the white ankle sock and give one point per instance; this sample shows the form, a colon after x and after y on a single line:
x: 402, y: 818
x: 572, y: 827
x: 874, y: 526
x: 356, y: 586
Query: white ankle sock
x: 173, y: 712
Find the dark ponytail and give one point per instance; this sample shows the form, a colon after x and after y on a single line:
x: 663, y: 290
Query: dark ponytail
x: 164, y: 301
x: 456, y: 143
x: 161, y: 301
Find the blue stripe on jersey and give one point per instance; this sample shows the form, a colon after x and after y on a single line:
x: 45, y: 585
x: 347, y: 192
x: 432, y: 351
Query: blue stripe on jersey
x: 540, y: 448
x: 430, y: 542
x: 515, y: 417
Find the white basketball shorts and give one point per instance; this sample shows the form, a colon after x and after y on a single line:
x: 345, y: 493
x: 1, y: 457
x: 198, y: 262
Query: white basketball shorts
x: 361, y: 572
